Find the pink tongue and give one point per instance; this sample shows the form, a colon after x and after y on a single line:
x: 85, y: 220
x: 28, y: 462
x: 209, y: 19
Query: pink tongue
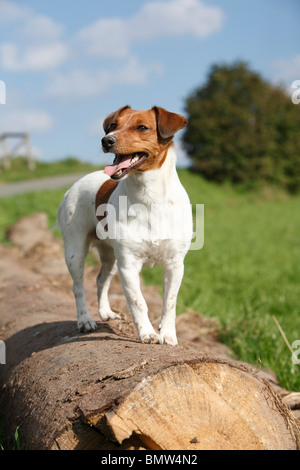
x: 124, y: 163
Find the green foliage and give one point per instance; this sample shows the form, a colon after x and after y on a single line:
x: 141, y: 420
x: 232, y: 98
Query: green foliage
x: 16, y: 439
x: 243, y: 129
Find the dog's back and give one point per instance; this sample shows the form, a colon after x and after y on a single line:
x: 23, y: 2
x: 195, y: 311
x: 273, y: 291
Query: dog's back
x: 77, y: 211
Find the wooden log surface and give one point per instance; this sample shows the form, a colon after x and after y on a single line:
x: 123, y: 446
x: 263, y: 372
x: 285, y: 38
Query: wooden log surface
x: 106, y: 390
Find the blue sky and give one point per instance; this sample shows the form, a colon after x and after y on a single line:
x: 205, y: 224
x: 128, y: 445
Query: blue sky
x: 69, y: 63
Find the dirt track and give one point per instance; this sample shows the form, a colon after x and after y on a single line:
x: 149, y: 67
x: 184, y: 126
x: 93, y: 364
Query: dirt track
x: 53, y: 182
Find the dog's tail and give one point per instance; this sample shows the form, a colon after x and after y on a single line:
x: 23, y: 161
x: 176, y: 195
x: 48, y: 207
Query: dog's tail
x: 57, y: 224
x: 59, y: 215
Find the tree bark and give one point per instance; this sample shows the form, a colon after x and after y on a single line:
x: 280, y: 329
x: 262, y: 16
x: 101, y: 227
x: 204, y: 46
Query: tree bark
x: 106, y: 390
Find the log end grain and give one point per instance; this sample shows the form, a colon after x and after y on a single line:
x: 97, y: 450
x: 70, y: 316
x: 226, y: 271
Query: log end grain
x: 193, y: 406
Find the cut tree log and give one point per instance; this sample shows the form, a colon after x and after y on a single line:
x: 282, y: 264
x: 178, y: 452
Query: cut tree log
x: 106, y: 390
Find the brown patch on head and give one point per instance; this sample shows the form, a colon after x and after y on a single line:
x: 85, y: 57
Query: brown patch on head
x: 143, y: 134
x: 113, y: 118
x: 168, y: 123
x: 103, y: 195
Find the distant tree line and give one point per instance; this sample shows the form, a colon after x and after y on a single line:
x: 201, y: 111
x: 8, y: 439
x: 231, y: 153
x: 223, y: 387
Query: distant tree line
x: 243, y: 129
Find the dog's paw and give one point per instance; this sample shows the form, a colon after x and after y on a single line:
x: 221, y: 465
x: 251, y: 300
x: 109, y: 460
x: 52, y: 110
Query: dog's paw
x: 167, y: 337
x: 153, y: 338
x: 86, y: 324
x: 108, y: 315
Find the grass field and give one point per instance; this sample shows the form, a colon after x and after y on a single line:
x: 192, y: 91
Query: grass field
x: 247, y: 272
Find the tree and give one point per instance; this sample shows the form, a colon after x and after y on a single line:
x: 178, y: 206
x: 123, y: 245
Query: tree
x: 243, y: 129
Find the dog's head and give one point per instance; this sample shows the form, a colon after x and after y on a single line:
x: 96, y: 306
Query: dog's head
x: 139, y: 139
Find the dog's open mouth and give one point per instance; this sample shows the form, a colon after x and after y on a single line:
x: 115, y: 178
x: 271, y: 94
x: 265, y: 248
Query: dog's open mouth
x: 124, y: 163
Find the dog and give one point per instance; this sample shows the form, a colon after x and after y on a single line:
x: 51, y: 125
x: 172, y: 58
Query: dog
x: 143, y: 175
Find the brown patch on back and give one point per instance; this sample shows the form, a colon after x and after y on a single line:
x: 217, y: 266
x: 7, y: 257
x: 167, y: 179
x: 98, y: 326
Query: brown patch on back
x: 103, y: 195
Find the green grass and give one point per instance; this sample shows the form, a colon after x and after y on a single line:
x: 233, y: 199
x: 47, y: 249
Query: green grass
x: 16, y: 440
x: 19, y: 170
x: 15, y: 207
x: 247, y: 272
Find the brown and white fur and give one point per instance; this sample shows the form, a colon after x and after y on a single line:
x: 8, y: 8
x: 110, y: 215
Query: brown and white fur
x: 143, y: 171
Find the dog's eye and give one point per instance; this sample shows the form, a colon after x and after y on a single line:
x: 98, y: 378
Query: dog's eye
x: 142, y: 128
x: 112, y: 127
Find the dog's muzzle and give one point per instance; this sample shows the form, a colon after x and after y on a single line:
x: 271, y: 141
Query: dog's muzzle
x: 108, y: 142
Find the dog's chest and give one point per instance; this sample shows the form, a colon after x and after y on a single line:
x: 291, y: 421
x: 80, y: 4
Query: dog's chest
x: 151, y: 232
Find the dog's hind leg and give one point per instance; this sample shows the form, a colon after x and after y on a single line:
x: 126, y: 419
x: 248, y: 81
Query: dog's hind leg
x: 75, y: 254
x: 108, y: 270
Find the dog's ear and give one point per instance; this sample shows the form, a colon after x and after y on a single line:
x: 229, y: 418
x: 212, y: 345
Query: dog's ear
x: 168, y: 123
x: 113, y: 117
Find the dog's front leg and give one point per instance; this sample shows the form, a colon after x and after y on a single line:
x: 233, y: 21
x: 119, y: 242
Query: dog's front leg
x: 173, y: 274
x: 129, y: 273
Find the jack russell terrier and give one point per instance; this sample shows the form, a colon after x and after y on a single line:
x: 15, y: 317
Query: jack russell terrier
x: 143, y: 174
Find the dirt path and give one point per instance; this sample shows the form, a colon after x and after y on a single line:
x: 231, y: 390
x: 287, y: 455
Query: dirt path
x: 53, y: 182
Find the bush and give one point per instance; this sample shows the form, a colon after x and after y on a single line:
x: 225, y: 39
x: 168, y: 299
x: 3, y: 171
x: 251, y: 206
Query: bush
x: 243, y: 129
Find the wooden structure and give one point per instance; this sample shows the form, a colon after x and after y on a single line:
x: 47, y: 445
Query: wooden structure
x: 23, y: 140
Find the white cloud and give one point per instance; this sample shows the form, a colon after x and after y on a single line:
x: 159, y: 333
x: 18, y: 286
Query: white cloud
x: 38, y: 45
x: 79, y: 83
x: 83, y: 83
x: 135, y: 73
x: 11, y: 11
x: 112, y: 37
x: 176, y: 17
x: 47, y: 56
x: 25, y: 120
x: 106, y: 37
x: 41, y: 28
x: 29, y: 23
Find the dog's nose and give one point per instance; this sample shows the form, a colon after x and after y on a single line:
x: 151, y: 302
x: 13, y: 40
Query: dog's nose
x: 108, y: 142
